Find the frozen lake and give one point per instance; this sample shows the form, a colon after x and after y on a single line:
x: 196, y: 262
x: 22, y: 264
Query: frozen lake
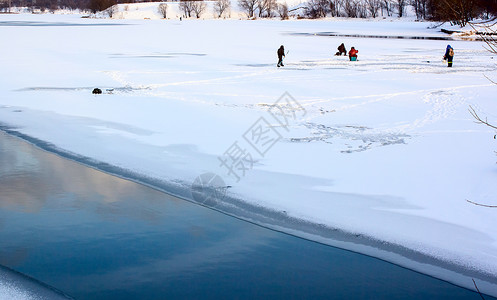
x: 376, y: 156
x: 96, y: 236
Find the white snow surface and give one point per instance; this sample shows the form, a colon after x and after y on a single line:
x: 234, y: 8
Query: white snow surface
x: 386, y: 149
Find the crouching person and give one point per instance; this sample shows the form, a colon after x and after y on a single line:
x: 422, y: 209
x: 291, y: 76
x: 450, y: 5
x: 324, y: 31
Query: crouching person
x: 341, y: 49
x: 353, y: 54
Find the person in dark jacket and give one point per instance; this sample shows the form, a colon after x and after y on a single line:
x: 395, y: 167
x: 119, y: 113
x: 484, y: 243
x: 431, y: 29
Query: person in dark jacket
x: 449, y: 55
x: 353, y: 54
x: 341, y: 49
x: 281, y: 54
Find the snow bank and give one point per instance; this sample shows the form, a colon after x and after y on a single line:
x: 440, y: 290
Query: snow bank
x: 379, y: 157
x: 470, y: 32
x: 14, y: 285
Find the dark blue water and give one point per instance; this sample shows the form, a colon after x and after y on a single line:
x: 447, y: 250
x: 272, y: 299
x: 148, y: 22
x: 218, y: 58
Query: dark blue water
x: 95, y: 236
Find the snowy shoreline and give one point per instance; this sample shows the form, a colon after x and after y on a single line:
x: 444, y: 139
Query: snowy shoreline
x: 385, y: 155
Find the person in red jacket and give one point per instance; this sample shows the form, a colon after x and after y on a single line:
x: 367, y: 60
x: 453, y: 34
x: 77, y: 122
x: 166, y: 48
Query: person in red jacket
x: 353, y: 53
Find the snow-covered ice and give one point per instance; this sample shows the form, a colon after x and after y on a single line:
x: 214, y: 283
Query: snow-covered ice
x: 386, y: 150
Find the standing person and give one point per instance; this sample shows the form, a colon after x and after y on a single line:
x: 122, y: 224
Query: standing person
x: 341, y: 49
x: 449, y: 56
x: 281, y: 54
x: 353, y: 54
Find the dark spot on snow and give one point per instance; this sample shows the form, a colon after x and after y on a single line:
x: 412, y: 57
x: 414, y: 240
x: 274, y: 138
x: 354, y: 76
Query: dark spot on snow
x: 124, y: 89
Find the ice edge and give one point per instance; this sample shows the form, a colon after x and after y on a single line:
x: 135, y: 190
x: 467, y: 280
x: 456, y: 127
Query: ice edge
x: 449, y: 271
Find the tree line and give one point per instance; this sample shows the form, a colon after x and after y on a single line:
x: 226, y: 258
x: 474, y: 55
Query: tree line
x: 44, y: 5
x: 456, y: 11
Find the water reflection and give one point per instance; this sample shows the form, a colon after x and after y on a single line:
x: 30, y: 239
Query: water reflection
x: 88, y: 227
x: 188, y: 263
x: 30, y: 178
x: 95, y: 236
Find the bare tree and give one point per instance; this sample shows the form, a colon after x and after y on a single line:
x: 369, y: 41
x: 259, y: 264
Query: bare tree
x: 420, y: 8
x: 221, y: 6
x: 480, y: 120
x: 401, y: 7
x: 267, y: 8
x: 283, y: 11
x: 248, y: 6
x: 386, y: 5
x: 488, y: 35
x: 484, y: 205
x: 351, y: 9
x: 373, y: 6
x: 460, y: 12
x: 260, y: 7
x: 317, y: 8
x: 272, y: 8
x: 186, y: 7
x: 336, y: 6
x: 6, y: 5
x: 362, y: 10
x: 163, y: 10
x: 198, y: 7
